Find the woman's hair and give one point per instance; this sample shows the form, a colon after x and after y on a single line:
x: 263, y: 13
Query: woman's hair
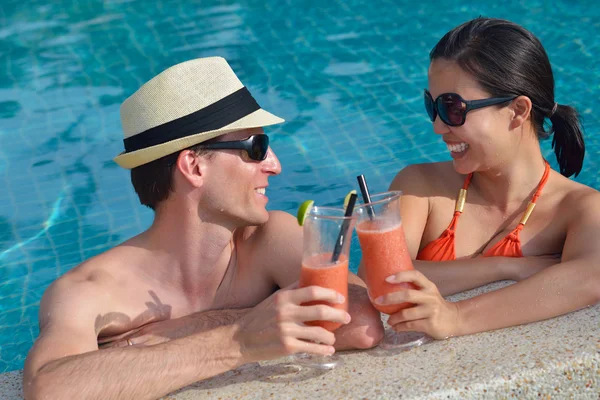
x: 506, y: 59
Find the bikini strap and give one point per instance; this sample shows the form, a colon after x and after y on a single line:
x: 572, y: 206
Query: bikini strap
x: 462, y: 195
x: 467, y: 181
x: 536, y: 196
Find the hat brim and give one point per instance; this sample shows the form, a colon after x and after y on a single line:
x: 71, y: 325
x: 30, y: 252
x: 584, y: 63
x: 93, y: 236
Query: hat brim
x: 257, y: 119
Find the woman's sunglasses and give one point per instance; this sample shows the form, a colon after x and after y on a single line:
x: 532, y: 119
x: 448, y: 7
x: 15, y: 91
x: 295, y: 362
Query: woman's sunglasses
x: 257, y: 146
x: 453, y: 109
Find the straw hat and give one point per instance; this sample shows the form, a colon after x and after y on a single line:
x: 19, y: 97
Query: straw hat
x: 184, y: 105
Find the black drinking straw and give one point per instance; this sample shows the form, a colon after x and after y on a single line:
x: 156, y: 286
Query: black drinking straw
x: 364, y: 189
x: 339, y: 243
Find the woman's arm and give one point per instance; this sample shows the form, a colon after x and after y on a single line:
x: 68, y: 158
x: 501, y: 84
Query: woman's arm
x: 568, y: 286
x: 565, y: 287
x: 456, y: 276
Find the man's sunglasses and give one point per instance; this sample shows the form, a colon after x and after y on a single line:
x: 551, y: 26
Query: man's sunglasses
x: 257, y: 146
x: 453, y: 109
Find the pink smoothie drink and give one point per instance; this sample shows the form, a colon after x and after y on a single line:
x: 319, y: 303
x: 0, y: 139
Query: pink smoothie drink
x: 384, y: 254
x: 318, y: 270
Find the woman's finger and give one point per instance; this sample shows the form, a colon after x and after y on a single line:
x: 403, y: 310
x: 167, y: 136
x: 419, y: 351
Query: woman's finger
x: 415, y: 277
x: 419, y: 325
x: 404, y: 296
x: 409, y: 314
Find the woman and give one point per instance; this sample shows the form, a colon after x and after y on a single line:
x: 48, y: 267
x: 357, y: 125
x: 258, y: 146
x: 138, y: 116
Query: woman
x: 490, y: 96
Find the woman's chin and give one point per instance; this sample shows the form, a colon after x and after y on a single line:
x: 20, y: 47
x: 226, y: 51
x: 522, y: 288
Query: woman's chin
x: 463, y: 167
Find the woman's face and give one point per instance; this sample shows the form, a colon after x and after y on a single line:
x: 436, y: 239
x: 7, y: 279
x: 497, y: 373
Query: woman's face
x: 485, y: 140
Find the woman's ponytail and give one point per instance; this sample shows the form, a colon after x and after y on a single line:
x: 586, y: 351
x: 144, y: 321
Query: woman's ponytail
x: 567, y: 142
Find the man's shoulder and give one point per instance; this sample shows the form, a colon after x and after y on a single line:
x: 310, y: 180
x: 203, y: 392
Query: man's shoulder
x: 280, y: 220
x: 88, y: 284
x: 99, y: 269
x: 277, y: 240
x: 279, y: 223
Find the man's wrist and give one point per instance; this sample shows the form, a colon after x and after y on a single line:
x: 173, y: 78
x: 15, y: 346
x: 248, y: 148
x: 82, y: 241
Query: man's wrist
x: 222, y: 346
x: 236, y: 344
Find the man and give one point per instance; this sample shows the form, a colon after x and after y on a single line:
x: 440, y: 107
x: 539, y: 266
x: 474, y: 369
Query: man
x: 196, y: 294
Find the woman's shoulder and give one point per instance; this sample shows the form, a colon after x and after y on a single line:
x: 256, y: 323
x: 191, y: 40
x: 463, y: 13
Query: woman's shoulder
x: 573, y: 190
x: 579, y: 193
x: 577, y: 198
x: 427, y: 178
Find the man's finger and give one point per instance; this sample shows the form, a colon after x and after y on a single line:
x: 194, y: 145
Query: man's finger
x: 313, y: 348
x: 293, y: 286
x: 313, y: 334
x: 314, y: 293
x: 320, y: 313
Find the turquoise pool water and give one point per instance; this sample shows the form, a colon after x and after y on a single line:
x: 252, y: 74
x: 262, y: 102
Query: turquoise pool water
x: 346, y: 75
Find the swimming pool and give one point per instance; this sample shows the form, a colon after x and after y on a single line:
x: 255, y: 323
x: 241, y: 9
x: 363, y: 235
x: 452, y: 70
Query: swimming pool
x: 346, y: 75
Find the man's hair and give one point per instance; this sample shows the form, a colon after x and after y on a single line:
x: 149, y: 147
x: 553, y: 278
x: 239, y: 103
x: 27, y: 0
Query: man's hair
x: 153, y: 182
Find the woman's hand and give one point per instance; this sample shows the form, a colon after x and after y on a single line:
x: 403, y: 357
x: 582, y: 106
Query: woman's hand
x: 430, y: 314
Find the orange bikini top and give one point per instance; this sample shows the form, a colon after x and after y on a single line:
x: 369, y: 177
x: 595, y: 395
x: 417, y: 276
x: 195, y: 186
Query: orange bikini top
x: 442, y: 249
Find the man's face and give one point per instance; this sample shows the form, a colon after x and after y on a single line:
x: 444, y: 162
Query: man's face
x: 235, y: 186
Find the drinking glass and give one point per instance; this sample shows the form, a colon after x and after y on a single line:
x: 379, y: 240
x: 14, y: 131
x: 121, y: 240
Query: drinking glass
x: 384, y: 253
x: 326, y: 252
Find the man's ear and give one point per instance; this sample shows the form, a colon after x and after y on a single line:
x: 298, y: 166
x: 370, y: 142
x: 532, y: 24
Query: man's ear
x: 521, y: 108
x: 191, y: 166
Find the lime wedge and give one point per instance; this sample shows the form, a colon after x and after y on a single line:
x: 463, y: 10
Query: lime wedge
x: 303, y: 210
x: 347, y: 198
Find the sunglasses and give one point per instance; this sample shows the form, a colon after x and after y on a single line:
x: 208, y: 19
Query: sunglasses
x: 257, y: 146
x: 453, y: 109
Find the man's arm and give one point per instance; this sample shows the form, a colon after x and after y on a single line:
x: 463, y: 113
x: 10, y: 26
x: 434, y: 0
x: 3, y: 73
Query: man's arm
x: 64, y: 361
x: 171, y: 329
x: 359, y: 308
x: 283, y: 235
x: 366, y: 328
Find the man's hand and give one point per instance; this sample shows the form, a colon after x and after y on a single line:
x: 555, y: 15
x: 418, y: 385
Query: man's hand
x: 276, y: 328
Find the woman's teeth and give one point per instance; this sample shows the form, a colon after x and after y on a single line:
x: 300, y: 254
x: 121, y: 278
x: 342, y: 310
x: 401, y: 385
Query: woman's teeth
x: 260, y: 191
x: 457, y: 148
